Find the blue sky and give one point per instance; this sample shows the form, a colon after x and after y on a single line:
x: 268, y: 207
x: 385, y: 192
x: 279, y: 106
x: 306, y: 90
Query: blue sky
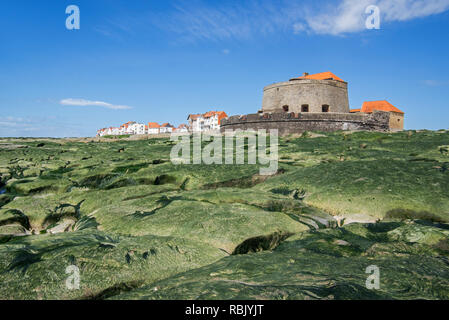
x: 159, y: 61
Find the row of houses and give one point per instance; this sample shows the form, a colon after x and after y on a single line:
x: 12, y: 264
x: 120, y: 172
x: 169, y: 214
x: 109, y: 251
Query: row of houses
x: 134, y: 128
x: 209, y: 121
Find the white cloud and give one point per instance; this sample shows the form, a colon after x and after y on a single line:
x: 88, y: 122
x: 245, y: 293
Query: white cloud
x: 402, y: 10
x: 201, y: 20
x: 89, y: 103
x: 349, y: 15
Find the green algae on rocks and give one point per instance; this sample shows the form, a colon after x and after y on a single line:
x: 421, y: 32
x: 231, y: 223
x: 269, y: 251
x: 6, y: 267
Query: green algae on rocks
x: 139, y: 227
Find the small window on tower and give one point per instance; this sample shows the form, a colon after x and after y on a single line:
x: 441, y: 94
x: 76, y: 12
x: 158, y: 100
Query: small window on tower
x: 325, y: 108
x: 285, y: 108
x: 305, y: 108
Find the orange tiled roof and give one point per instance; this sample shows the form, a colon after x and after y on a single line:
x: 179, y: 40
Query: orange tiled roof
x: 355, y: 110
x: 209, y: 114
x: 213, y: 113
x: 153, y: 125
x: 382, y: 105
x: 221, y: 115
x: 321, y: 76
x: 167, y: 125
x: 126, y: 125
x: 193, y: 116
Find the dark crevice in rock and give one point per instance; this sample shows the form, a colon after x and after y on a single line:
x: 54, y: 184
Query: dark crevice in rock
x: 443, y: 226
x: 3, y: 182
x: 164, y: 179
x: 24, y: 259
x: 184, y: 184
x: 5, y: 199
x: 261, y: 243
x: 115, y: 290
x: 18, y: 217
x: 244, y: 183
x: 65, y: 210
x: 159, y: 161
x: 407, y: 214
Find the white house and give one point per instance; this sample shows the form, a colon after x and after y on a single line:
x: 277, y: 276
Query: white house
x: 101, y: 132
x: 210, y: 121
x: 122, y: 131
x: 153, y: 128
x: 137, y: 128
x: 195, y: 122
x: 183, y: 128
x: 127, y: 128
x: 166, y: 128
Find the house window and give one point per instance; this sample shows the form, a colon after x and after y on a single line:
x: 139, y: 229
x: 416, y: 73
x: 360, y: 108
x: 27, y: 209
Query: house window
x: 285, y: 108
x: 305, y: 108
x: 325, y: 108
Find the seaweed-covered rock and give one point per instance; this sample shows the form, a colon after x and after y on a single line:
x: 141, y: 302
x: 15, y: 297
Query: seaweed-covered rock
x: 327, y: 264
x: 133, y: 221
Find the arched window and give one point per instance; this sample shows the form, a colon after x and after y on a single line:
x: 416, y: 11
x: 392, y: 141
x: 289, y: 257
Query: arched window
x: 325, y: 108
x: 285, y: 108
x: 305, y: 108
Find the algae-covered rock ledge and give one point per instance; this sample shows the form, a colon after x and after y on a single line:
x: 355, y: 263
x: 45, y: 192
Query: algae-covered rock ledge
x: 139, y: 227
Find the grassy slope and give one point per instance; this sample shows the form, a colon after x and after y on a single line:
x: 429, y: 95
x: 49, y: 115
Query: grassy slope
x: 129, y: 191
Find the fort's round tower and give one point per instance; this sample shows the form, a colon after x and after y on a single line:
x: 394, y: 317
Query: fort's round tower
x: 318, y: 93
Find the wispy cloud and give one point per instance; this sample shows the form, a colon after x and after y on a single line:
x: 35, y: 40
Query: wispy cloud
x: 38, y: 126
x: 349, y: 15
x: 89, y: 103
x: 435, y: 83
x: 201, y: 20
x: 27, y: 124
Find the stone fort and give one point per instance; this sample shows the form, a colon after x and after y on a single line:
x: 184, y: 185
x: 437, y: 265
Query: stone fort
x: 317, y: 102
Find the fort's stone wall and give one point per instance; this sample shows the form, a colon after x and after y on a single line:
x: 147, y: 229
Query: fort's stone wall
x: 396, y: 121
x: 289, y: 123
x: 314, y: 93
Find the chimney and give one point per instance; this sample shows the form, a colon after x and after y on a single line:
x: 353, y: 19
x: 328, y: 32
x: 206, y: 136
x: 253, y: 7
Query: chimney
x: 305, y: 74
